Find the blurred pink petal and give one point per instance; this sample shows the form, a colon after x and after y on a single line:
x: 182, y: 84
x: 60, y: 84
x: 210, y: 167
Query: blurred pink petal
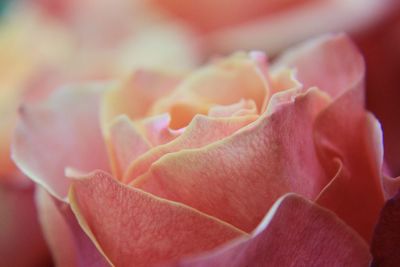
x: 134, y: 228
x: 330, y: 62
x: 62, y: 132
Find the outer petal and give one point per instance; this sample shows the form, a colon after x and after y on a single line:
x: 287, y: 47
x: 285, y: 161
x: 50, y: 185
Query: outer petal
x: 196, y: 135
x: 295, y: 232
x: 68, y: 243
x: 21, y: 241
x: 331, y: 63
x: 62, y: 132
x: 349, y: 142
x: 134, y: 228
x: 380, y: 46
x: 385, y: 243
x: 239, y: 178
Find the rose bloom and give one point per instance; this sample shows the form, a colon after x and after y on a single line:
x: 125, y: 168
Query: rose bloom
x: 31, y: 72
x: 239, y: 163
x: 273, y: 25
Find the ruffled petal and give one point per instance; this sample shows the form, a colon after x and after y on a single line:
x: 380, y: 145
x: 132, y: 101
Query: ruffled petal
x: 223, y: 82
x: 196, y: 135
x: 243, y: 107
x: 157, y: 129
x: 240, y: 177
x: 134, y: 228
x: 68, y: 243
x: 62, y: 132
x: 349, y: 143
x: 331, y: 62
x: 295, y: 232
x: 125, y: 144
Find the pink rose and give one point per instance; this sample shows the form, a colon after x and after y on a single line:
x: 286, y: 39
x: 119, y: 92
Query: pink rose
x: 273, y: 25
x: 239, y: 163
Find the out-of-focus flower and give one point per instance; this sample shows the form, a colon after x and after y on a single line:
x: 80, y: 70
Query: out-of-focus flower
x: 39, y: 53
x: 271, y: 25
x: 162, y: 167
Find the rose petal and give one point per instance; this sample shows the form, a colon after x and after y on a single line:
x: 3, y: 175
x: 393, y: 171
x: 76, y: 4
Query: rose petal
x: 69, y: 244
x: 157, y: 129
x: 295, y: 232
x: 243, y: 107
x: 21, y: 240
x: 197, y: 134
x: 62, y: 132
x: 136, y: 96
x: 349, y: 143
x: 134, y: 228
x: 223, y: 82
x: 386, y: 239
x: 240, y: 177
x: 125, y: 144
x: 331, y: 63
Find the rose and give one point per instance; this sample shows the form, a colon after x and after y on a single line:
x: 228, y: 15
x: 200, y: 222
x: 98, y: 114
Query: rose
x: 273, y: 25
x: 167, y: 187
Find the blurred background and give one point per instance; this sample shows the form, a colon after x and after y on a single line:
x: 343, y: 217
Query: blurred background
x: 47, y: 43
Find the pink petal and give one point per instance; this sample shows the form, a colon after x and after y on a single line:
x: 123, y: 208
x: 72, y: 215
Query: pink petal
x: 385, y: 243
x: 62, y: 132
x: 295, y: 232
x: 349, y: 142
x: 243, y: 107
x: 157, y: 129
x: 21, y: 240
x: 125, y: 143
x: 134, y: 228
x: 135, y: 97
x: 224, y: 82
x: 68, y: 243
x: 331, y: 63
x: 240, y: 177
x: 197, y: 134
